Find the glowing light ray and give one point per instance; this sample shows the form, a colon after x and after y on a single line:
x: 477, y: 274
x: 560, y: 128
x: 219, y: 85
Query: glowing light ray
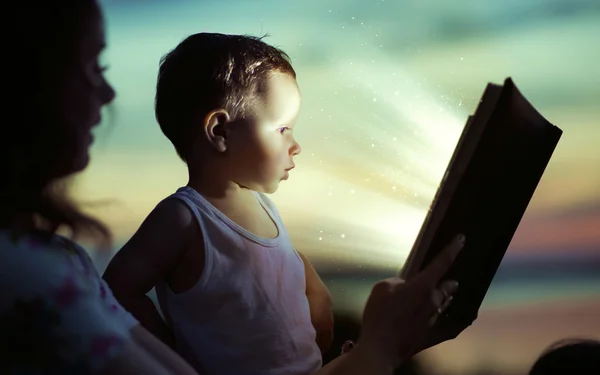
x: 435, y: 127
x: 416, y: 160
x: 379, y: 232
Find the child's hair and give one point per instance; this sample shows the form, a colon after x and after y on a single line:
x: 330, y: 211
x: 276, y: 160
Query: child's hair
x: 570, y: 356
x: 208, y: 71
x: 41, y: 53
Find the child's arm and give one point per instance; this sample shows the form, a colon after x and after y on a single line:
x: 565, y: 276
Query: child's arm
x: 321, y: 311
x: 152, y: 254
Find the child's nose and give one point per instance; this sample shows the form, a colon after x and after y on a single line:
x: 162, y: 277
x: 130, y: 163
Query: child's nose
x: 296, y: 149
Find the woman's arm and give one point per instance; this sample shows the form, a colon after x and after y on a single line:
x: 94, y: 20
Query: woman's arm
x: 359, y: 361
x: 160, y: 352
x: 133, y: 360
x: 397, y: 320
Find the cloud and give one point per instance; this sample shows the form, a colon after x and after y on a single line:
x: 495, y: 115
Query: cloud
x: 570, y: 230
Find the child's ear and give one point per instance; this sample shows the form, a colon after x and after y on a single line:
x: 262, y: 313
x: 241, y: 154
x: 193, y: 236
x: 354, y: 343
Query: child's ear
x: 215, y: 128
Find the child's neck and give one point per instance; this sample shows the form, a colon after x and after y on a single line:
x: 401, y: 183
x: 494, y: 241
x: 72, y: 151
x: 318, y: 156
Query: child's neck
x: 227, y: 196
x: 215, y: 188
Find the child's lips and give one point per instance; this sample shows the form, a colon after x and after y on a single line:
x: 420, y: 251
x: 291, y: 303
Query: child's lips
x: 286, y: 173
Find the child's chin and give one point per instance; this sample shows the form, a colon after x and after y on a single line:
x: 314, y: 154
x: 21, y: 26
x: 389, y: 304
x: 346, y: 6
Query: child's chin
x: 270, y: 189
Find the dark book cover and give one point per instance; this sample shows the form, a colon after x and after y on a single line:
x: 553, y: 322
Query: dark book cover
x: 492, y: 175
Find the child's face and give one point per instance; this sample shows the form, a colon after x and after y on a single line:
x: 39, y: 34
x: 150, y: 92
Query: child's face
x: 263, y: 148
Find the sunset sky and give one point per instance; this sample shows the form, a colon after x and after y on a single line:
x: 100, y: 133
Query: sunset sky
x: 387, y: 87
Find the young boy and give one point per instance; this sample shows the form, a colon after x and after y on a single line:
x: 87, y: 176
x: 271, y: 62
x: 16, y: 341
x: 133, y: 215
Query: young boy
x: 237, y: 297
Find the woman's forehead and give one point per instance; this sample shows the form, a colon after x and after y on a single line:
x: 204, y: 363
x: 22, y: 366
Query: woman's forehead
x: 93, y: 39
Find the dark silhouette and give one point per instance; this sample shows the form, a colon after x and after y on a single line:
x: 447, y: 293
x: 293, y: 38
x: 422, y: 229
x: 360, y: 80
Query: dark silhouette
x: 577, y: 357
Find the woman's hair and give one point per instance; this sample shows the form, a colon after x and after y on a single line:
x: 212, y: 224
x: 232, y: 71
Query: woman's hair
x: 41, y: 51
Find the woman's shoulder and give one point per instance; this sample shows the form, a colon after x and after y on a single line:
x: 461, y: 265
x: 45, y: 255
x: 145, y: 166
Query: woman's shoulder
x: 50, y: 297
x: 39, y: 268
x: 38, y: 262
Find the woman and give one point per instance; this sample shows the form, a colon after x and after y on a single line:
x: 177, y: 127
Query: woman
x: 56, y: 314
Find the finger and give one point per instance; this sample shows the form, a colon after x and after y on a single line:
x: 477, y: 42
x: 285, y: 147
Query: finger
x: 389, y: 290
x: 440, y: 299
x: 385, y: 287
x: 442, y: 262
x: 432, y: 308
x: 448, y: 288
x: 420, y: 304
x: 436, y: 314
x: 433, y: 319
x: 438, y: 296
x: 441, y: 310
x: 446, y: 304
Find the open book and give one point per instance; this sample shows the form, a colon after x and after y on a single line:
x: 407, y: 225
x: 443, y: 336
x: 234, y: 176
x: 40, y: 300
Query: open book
x: 492, y: 175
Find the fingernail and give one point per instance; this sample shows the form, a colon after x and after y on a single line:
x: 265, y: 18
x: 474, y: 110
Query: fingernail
x: 453, y: 285
x: 460, y: 239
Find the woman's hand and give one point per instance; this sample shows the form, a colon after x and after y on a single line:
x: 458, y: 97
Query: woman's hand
x: 399, y: 315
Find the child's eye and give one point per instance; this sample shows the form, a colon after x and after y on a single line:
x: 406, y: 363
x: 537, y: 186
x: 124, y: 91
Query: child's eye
x: 282, y: 129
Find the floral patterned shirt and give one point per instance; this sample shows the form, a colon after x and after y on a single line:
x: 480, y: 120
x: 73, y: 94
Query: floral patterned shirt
x: 57, y: 316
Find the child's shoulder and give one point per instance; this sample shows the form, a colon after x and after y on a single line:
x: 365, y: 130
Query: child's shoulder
x: 172, y: 212
x: 161, y: 238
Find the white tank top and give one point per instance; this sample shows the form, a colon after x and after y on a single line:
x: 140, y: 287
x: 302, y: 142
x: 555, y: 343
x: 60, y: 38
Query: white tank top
x: 248, y: 314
